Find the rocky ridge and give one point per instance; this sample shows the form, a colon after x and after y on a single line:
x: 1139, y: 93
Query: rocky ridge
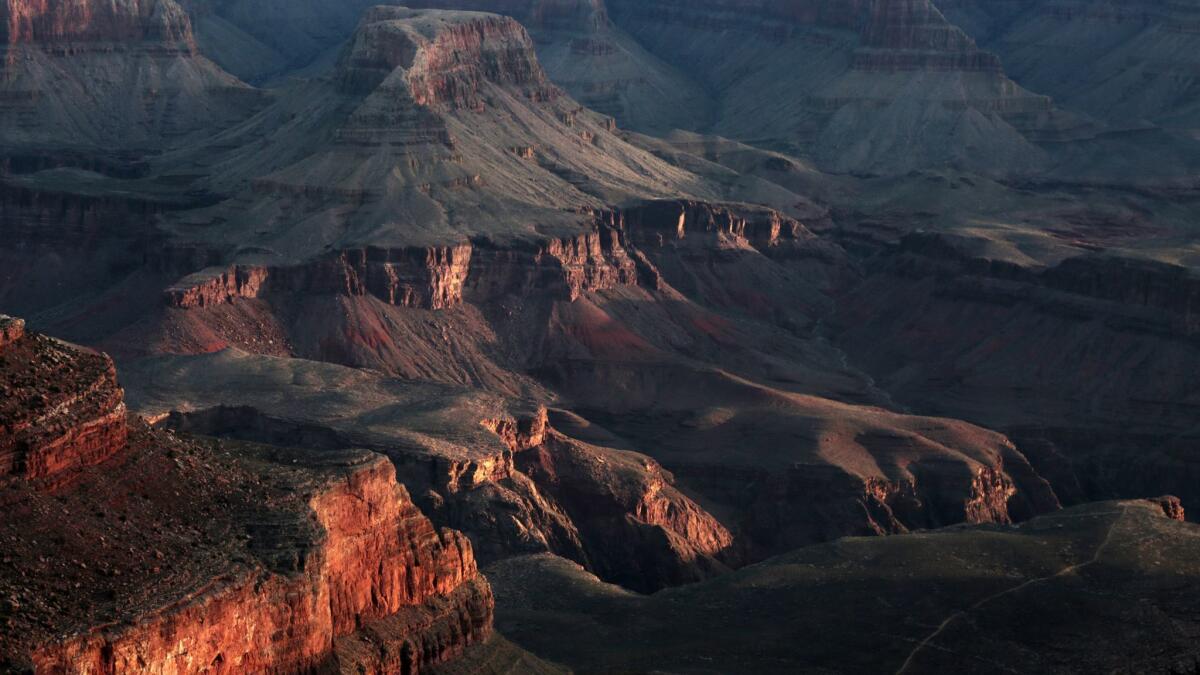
x: 273, y: 558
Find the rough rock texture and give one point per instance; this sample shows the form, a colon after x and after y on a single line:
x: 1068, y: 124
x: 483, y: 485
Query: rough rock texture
x: 11, y: 330
x: 61, y: 408
x: 1043, y: 596
x: 270, y: 563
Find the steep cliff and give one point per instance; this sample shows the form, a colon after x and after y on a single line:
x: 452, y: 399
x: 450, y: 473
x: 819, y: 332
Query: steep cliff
x: 62, y: 409
x: 616, y: 249
x: 271, y: 559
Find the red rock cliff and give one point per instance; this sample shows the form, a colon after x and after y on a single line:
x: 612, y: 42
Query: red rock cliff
x: 373, y: 556
x: 60, y: 406
x: 79, y: 22
x: 200, y: 557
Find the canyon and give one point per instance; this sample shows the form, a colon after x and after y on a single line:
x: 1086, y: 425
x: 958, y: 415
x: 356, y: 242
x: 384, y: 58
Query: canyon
x: 484, y: 336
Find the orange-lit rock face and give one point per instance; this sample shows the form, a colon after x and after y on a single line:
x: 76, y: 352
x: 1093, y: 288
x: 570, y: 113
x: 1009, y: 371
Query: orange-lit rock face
x: 438, y: 277
x: 373, y: 556
x: 60, y: 409
x: 197, y: 557
x: 11, y: 330
x: 382, y: 553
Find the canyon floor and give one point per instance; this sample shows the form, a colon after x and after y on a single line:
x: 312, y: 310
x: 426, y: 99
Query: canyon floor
x: 491, y: 336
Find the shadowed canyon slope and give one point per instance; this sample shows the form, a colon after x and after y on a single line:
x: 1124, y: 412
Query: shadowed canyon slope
x: 1055, y: 594
x: 1132, y: 63
x: 861, y: 334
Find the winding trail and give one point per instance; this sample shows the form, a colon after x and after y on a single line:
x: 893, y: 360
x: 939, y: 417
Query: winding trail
x: 1069, y: 569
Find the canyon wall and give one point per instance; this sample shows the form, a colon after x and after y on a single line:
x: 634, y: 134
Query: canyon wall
x: 269, y: 564
x: 607, y: 255
x: 373, y: 556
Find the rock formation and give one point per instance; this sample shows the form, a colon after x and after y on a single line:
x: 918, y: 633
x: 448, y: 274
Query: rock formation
x: 637, y: 309
x: 467, y: 456
x: 825, y: 355
x: 270, y: 564
x: 62, y: 407
x: 445, y: 129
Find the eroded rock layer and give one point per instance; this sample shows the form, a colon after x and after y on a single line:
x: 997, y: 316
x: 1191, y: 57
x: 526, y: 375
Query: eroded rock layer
x: 206, y: 557
x: 61, y: 408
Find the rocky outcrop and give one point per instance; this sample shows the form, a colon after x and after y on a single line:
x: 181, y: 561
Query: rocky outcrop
x: 61, y: 408
x: 444, y: 64
x: 618, y: 513
x: 431, y: 278
x: 11, y: 330
x: 636, y: 527
x: 271, y: 563
x: 372, y: 559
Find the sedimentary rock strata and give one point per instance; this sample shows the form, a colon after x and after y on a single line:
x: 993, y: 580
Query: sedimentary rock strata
x: 62, y: 409
x: 466, y: 457
x: 271, y: 561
